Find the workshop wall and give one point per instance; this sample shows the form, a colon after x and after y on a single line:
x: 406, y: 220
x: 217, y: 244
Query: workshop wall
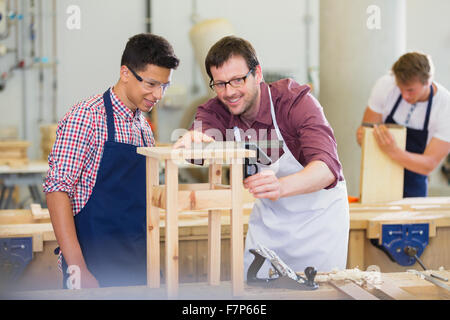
x: 88, y: 57
x: 432, y: 35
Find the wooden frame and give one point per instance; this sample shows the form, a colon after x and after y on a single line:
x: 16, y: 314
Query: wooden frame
x: 211, y: 197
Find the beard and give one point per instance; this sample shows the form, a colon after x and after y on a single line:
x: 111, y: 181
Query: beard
x: 248, y: 104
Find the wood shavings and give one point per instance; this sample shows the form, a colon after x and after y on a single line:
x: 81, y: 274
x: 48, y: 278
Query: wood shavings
x: 371, y: 279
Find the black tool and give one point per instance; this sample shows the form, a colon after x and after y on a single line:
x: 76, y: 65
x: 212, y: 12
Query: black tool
x: 412, y: 252
x: 283, y: 277
x: 250, y: 166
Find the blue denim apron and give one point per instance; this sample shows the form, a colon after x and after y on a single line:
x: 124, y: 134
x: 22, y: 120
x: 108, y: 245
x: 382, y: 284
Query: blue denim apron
x: 415, y: 184
x: 111, y: 227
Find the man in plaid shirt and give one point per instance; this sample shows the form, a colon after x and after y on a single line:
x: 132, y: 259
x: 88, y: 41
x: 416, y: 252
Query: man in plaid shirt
x: 95, y: 186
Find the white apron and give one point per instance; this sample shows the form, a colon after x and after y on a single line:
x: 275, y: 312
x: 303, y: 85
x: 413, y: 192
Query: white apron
x: 303, y: 230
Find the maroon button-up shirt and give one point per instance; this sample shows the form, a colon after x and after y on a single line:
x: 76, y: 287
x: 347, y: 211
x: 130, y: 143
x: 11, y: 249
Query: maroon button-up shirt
x: 300, y: 117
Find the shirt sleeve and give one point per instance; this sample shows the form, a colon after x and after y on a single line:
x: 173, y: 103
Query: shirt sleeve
x: 443, y: 128
x: 74, y: 144
x: 316, y: 137
x: 378, y: 95
x: 209, y: 122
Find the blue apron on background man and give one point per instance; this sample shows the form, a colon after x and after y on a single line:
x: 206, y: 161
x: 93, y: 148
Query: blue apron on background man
x: 111, y: 227
x: 415, y: 184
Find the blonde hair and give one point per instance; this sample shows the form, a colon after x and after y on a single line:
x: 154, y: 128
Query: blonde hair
x: 413, y: 66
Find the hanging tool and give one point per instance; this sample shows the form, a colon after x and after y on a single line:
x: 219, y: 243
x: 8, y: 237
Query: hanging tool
x: 412, y: 252
x: 282, y: 277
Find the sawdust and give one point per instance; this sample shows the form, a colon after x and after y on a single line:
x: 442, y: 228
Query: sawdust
x: 371, y: 279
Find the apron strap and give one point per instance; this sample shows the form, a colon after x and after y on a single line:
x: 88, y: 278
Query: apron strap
x: 427, y: 116
x: 110, y: 118
x: 430, y: 102
x: 274, y: 120
x: 397, y: 103
x: 109, y: 115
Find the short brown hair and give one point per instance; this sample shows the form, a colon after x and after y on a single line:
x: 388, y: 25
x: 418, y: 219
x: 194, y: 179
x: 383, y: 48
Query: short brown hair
x: 413, y: 66
x: 227, y: 47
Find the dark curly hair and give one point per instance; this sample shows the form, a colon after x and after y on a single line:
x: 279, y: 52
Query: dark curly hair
x: 146, y: 48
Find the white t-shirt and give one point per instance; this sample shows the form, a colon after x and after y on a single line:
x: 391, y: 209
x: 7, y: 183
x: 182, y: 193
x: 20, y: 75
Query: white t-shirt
x: 385, y: 94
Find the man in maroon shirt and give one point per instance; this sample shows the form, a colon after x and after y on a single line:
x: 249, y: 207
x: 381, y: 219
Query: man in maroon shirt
x: 301, y: 207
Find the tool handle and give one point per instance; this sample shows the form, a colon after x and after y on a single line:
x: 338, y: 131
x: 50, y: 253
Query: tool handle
x: 255, y: 266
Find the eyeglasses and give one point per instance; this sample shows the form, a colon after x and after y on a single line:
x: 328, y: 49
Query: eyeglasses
x: 150, y: 84
x: 235, y: 83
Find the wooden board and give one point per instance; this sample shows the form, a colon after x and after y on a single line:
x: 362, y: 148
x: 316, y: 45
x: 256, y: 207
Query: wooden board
x: 14, y: 153
x: 171, y: 178
x: 381, y: 178
x: 353, y: 290
x: 225, y: 154
x: 214, y: 230
x: 399, y: 286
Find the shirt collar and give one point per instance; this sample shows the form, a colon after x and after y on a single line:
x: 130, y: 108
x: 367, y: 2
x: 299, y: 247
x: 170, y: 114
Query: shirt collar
x: 264, y: 114
x: 121, y: 109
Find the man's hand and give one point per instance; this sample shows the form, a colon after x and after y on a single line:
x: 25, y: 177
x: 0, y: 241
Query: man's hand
x: 192, y: 137
x: 88, y: 280
x: 80, y: 278
x: 385, y: 140
x: 265, y: 185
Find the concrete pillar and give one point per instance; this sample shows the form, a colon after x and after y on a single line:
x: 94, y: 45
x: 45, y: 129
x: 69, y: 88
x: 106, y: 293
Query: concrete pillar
x: 359, y: 42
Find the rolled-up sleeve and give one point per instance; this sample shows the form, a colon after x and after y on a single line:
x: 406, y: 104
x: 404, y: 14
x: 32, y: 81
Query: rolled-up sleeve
x: 74, y: 143
x: 211, y: 119
x: 316, y: 137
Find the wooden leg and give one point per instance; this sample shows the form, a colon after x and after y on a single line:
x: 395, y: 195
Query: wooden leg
x: 355, y: 257
x: 214, y: 232
x: 237, y: 230
x: 171, y: 178
x: 153, y: 238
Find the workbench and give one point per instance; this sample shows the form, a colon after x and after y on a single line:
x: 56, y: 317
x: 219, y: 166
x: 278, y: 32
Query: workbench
x: 29, y: 175
x: 193, y: 230
x: 395, y: 286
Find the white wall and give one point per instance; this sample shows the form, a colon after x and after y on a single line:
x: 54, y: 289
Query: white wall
x: 428, y: 30
x: 276, y: 30
x: 88, y: 60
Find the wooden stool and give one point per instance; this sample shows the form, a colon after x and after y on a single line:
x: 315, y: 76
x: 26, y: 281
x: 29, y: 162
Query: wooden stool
x: 212, y: 196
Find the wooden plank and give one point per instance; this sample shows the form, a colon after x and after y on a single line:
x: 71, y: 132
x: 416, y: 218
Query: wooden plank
x: 153, y: 217
x: 214, y: 229
x: 16, y: 144
x: 403, y: 217
x: 195, y: 199
x: 171, y: 178
x: 381, y: 177
x: 356, y: 249
x: 389, y: 288
x: 38, y: 213
x: 18, y: 216
x: 14, y: 230
x: 225, y: 154
x: 237, y: 242
x: 353, y: 290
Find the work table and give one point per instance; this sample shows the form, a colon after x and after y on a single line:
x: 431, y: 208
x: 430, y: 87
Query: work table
x: 401, y: 286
